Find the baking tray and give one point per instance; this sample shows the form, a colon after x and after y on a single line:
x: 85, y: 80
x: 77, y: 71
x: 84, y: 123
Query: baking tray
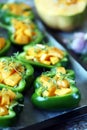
x: 33, y: 118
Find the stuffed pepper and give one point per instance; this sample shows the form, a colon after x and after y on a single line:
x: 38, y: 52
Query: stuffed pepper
x: 23, y: 32
x: 4, y: 46
x: 56, y: 89
x: 15, y: 10
x: 11, y: 103
x: 14, y: 74
x: 43, y: 55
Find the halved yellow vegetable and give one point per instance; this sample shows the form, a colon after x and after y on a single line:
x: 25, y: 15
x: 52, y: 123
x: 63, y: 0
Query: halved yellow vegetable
x: 65, y: 15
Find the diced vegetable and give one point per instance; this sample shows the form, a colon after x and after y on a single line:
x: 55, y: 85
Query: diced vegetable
x: 56, y: 89
x: 44, y: 55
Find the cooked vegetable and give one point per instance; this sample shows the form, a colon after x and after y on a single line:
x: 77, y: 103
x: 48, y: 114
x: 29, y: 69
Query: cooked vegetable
x: 8, y: 101
x: 4, y: 46
x: 15, y: 74
x: 2, y: 42
x: 23, y: 32
x: 56, y: 89
x: 43, y: 55
x: 15, y: 10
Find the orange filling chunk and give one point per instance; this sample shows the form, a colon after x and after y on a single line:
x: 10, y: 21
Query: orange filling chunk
x: 2, y: 43
x: 6, y: 97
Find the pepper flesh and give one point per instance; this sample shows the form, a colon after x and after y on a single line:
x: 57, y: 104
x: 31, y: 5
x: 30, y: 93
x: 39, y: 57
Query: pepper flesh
x: 56, y: 89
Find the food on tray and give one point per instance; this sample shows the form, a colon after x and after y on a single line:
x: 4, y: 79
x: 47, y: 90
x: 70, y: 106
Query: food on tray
x: 56, y: 89
x: 2, y: 43
x: 9, y: 100
x: 65, y: 15
x: 15, y: 74
x: 44, y: 56
x: 17, y: 10
x: 4, y: 46
x: 23, y: 32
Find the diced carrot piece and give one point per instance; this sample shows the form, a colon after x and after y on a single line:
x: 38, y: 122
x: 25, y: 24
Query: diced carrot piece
x: 5, y: 100
x: 54, y: 60
x: 3, y: 111
x: 63, y: 91
x: 22, y: 39
x: 13, y: 79
x: 7, y: 72
x: 1, y: 79
x: 52, y: 91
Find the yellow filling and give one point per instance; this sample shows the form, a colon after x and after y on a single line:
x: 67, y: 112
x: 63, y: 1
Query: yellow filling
x: 6, y: 97
x: 44, y: 54
x: 18, y: 9
x: 23, y: 32
x: 10, y: 73
x: 55, y: 86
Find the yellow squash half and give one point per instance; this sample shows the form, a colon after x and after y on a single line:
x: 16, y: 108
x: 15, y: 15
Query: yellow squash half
x: 65, y: 15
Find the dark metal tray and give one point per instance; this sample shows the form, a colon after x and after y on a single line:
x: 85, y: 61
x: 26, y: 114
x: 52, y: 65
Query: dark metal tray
x: 33, y: 118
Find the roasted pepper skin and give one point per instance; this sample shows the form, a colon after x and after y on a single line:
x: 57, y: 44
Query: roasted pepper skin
x: 25, y: 82
x: 62, y: 62
x: 4, y: 50
x: 68, y: 101
x: 14, y: 110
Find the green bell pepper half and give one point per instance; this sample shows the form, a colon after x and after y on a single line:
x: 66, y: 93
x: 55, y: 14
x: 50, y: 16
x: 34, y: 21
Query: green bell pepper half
x: 56, y: 102
x: 27, y: 77
x: 14, y: 109
x: 67, y: 101
x: 70, y: 75
x: 63, y: 62
x: 6, y: 48
x: 35, y: 39
x: 7, y: 15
